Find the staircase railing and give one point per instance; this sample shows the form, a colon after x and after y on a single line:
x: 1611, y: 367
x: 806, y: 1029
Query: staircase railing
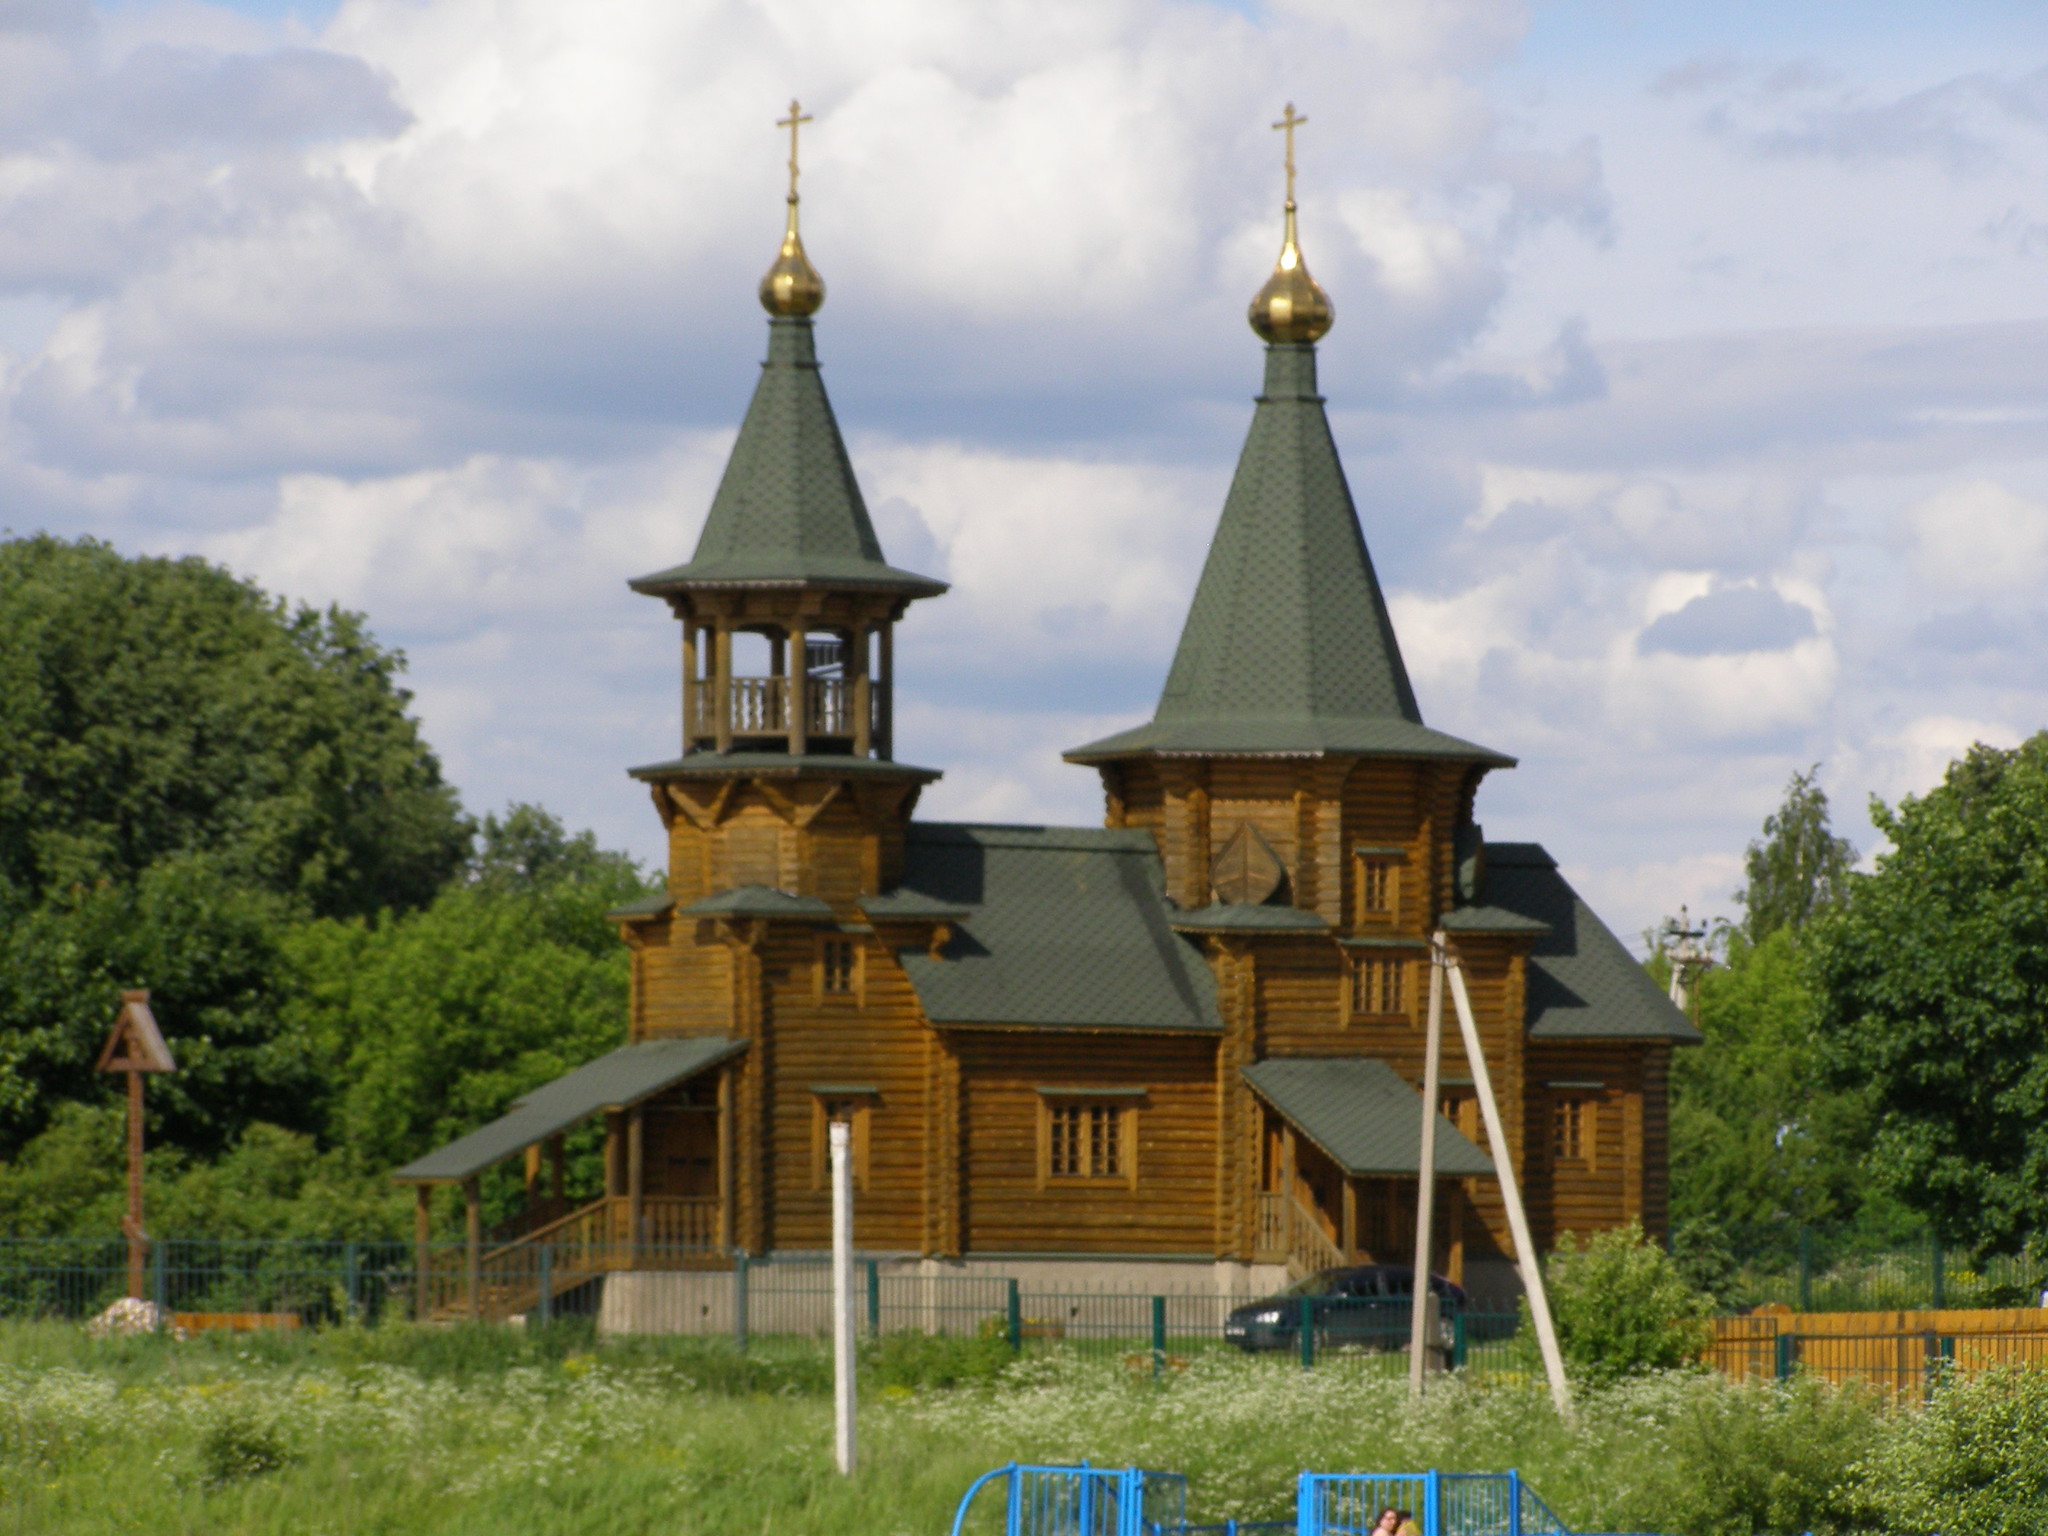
x: 1292, y: 1233
x: 675, y: 1233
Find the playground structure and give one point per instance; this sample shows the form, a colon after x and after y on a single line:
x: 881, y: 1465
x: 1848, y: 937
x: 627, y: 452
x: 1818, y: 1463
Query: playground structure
x: 1129, y: 1501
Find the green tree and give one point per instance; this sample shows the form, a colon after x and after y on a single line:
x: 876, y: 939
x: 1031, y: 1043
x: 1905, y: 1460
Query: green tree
x: 432, y: 1022
x: 152, y: 709
x: 1622, y: 1306
x: 1799, y: 867
x: 209, y: 949
x: 1931, y: 992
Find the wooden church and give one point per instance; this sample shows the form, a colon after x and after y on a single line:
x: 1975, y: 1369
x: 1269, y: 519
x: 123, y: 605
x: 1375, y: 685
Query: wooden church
x: 1179, y: 1050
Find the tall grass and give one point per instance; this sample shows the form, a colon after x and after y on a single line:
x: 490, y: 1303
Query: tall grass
x: 456, y: 1431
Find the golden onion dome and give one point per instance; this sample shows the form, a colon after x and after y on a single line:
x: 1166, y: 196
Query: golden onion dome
x: 792, y: 287
x: 1292, y: 306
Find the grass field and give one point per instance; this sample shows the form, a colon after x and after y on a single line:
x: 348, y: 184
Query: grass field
x: 448, y: 1432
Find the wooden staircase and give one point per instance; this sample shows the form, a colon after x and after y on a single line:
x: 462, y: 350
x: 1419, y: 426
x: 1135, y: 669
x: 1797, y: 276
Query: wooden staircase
x: 1292, y: 1233
x: 509, y: 1279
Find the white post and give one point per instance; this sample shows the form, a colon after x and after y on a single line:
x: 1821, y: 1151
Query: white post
x: 1511, y: 1194
x: 842, y: 1294
x: 1425, y: 1189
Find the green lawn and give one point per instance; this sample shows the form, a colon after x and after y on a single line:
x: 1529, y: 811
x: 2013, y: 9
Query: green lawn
x: 447, y: 1432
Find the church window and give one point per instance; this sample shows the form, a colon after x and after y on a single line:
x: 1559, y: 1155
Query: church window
x: 855, y: 1107
x: 1379, y: 884
x: 1572, y: 1129
x: 1087, y: 1137
x: 1379, y: 986
x: 837, y: 961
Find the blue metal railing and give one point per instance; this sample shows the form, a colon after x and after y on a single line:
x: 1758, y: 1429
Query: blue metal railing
x: 1083, y: 1501
x: 1443, y: 1503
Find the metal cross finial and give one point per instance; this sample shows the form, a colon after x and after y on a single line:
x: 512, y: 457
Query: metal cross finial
x: 798, y: 116
x: 1288, y: 123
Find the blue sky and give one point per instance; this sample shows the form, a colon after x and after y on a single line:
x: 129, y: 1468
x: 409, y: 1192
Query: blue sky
x: 1691, y: 364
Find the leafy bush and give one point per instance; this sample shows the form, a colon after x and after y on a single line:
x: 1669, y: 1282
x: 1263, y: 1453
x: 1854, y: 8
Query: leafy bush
x: 1622, y: 1307
x: 1974, y: 1463
x: 914, y: 1360
x: 237, y: 1447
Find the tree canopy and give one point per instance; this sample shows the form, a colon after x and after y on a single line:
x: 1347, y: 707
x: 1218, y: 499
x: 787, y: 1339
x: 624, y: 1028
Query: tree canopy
x: 1799, y: 868
x: 1931, y: 988
x: 152, y: 709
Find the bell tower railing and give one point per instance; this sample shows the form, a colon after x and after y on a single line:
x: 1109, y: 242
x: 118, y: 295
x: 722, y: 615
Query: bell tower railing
x: 760, y: 707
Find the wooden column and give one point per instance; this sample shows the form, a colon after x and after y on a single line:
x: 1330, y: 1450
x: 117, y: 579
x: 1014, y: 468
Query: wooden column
x: 636, y: 1175
x: 557, y: 1181
x: 725, y: 1158
x: 863, y: 690
x: 1454, y: 1223
x: 1350, y: 1223
x: 691, y: 690
x: 885, y: 717
x: 422, y: 1255
x: 137, y: 1242
x: 473, y: 1236
x: 532, y: 1172
x: 721, y: 686
x: 799, y: 694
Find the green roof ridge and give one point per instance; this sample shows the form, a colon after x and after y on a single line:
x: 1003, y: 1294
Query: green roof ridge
x: 1288, y: 646
x: 789, y: 510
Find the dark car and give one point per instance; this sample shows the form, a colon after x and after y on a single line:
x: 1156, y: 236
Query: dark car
x: 1363, y: 1305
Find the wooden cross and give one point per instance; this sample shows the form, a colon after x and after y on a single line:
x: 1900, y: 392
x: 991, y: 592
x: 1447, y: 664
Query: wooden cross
x: 136, y: 1046
x: 797, y: 116
x: 1287, y: 124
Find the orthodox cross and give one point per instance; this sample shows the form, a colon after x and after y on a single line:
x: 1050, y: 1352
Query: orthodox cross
x: 796, y: 117
x: 1287, y: 124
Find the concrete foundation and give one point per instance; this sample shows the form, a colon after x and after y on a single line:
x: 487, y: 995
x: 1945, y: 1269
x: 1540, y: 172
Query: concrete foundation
x: 792, y: 1294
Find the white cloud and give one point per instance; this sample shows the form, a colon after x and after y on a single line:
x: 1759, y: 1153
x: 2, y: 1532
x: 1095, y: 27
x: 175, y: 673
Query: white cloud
x: 1978, y: 537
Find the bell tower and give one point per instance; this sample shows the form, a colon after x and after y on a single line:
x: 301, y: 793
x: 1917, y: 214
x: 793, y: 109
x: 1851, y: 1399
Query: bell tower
x: 786, y: 786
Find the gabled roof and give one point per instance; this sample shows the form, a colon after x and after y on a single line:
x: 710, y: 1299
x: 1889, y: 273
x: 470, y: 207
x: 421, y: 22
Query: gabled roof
x: 1065, y: 928
x: 788, y: 511
x: 614, y: 1081
x: 1288, y: 646
x: 1362, y: 1113
x: 1583, y: 984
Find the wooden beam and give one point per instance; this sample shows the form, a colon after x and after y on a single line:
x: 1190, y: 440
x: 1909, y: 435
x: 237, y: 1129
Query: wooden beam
x: 473, y: 1235
x: 1350, y: 1228
x: 799, y: 695
x: 721, y: 686
x: 636, y: 1176
x: 422, y: 1256
x: 863, y: 723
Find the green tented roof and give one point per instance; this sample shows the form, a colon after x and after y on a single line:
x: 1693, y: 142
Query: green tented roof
x: 1363, y: 1114
x: 1288, y: 646
x: 1583, y: 984
x: 1065, y: 928
x: 789, y: 511
x: 760, y: 901
x: 622, y: 1078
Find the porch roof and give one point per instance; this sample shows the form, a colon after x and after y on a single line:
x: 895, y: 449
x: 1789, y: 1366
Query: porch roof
x: 1363, y: 1114
x: 623, y: 1078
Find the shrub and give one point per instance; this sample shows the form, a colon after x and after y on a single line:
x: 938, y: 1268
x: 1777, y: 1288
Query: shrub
x: 1622, y: 1307
x: 1974, y: 1463
x: 238, y: 1447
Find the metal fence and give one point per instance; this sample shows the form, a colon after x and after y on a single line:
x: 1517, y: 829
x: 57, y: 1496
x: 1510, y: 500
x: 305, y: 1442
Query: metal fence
x: 651, y: 1290
x: 1444, y: 1503
x: 1822, y: 1269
